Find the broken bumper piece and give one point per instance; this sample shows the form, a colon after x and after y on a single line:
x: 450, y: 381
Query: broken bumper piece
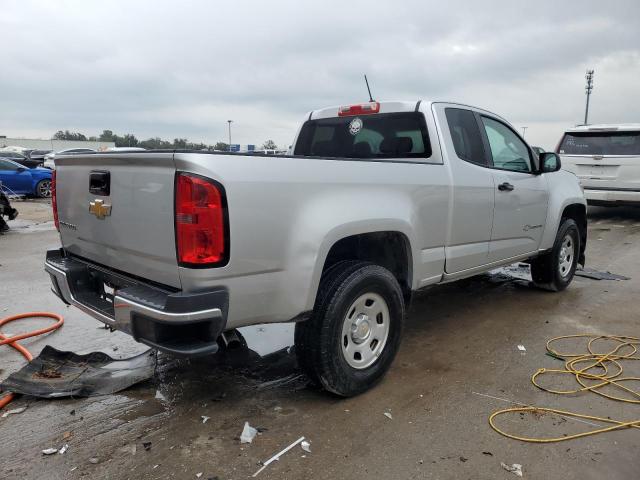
x: 172, y: 321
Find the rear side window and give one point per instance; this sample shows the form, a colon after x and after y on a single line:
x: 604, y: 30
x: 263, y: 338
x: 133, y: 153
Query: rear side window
x: 600, y: 143
x: 465, y: 134
x: 379, y: 136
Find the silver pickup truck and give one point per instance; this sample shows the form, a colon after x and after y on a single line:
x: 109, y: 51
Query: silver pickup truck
x: 378, y: 200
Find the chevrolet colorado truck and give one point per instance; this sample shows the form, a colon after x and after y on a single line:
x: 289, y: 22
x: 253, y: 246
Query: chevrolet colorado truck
x: 377, y: 200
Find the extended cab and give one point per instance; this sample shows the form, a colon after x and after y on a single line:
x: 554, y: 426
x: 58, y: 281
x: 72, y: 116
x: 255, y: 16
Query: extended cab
x: 378, y: 200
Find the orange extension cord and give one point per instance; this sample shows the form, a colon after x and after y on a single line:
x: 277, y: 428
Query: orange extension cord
x: 13, y: 341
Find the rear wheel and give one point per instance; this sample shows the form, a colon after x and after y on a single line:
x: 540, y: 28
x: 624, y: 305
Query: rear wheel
x: 555, y: 269
x: 43, y: 188
x: 354, y: 332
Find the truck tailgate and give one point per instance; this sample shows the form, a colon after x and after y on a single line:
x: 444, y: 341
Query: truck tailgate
x: 136, y: 234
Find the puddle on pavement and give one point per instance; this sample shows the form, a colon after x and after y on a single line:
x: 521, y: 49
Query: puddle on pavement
x: 28, y: 226
x: 263, y: 359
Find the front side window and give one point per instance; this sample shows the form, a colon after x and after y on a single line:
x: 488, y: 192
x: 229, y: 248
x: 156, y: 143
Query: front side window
x: 379, y: 136
x: 465, y: 135
x: 507, y: 150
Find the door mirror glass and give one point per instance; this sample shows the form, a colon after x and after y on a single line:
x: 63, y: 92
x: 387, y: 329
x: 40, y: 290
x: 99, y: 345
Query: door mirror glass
x: 549, y: 162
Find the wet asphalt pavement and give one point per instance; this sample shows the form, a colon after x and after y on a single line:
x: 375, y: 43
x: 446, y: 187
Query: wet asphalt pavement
x: 458, y: 363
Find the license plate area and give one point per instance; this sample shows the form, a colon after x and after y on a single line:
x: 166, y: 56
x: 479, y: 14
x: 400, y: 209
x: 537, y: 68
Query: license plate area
x: 96, y: 288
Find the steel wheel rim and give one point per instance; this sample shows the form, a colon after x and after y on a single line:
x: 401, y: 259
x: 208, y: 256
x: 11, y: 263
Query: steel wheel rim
x: 566, y: 256
x: 44, y: 188
x: 365, y: 330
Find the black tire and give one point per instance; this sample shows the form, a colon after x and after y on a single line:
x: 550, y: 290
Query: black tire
x: 318, y: 340
x: 546, y: 270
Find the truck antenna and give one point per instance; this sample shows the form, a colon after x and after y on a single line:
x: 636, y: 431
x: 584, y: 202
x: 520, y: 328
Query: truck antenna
x: 368, y: 89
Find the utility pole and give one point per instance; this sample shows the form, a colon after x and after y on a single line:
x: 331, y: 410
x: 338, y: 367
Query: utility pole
x: 524, y: 130
x: 229, y: 122
x: 588, y: 88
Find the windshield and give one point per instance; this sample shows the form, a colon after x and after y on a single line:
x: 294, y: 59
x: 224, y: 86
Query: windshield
x: 385, y: 135
x: 600, y: 143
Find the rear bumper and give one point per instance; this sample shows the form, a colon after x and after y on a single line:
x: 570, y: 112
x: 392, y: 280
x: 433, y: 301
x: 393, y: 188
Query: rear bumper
x: 603, y: 196
x: 173, y: 322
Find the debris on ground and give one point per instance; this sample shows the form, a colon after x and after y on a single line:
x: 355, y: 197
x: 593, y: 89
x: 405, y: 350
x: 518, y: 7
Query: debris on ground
x: 66, y: 435
x: 94, y: 460
x: 306, y: 446
x: 198, y: 475
x: 248, y: 433
x: 277, y: 456
x: 463, y: 459
x: 522, y: 348
x: 160, y: 396
x: 204, y: 418
x: 146, y: 445
x: 77, y: 375
x: 488, y: 453
x: 597, y: 275
x: 64, y: 448
x: 516, y: 468
x: 14, y: 411
x: 49, y: 451
x: 388, y: 415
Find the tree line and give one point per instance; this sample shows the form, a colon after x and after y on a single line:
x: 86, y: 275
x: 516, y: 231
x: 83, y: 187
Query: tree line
x: 155, y: 143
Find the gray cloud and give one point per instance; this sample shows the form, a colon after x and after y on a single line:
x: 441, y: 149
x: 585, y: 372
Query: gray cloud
x: 183, y: 68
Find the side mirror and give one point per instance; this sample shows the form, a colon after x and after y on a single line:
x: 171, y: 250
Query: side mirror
x: 21, y: 169
x: 549, y: 162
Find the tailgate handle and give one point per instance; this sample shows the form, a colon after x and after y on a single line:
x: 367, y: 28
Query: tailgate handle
x: 100, y: 182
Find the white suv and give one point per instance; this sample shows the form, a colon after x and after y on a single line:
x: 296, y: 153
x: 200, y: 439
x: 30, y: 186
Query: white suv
x: 606, y: 159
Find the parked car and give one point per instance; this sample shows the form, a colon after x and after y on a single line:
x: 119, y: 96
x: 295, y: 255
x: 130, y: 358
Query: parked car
x: 38, y: 155
x: 50, y: 158
x: 18, y: 179
x: 20, y: 158
x: 378, y: 201
x: 606, y: 159
x: 126, y: 149
x: 538, y: 150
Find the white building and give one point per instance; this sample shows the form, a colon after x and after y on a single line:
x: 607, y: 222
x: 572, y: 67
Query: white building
x: 55, y: 145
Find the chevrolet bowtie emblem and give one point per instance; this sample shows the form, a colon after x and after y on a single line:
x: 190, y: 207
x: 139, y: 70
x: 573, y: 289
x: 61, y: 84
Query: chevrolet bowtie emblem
x: 99, y: 209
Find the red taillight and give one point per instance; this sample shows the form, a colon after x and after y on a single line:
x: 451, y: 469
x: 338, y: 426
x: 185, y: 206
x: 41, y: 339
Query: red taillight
x: 359, y: 109
x: 54, y: 200
x: 201, y: 238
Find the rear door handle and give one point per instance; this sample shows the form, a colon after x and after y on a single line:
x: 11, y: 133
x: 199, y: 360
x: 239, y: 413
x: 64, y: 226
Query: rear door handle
x: 505, y: 187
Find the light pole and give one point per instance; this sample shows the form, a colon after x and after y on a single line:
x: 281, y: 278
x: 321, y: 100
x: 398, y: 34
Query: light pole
x: 229, y: 122
x: 588, y: 87
x: 524, y: 130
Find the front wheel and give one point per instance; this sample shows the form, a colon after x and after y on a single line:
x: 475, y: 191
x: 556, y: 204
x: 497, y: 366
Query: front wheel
x: 354, y: 332
x: 555, y: 269
x: 43, y: 188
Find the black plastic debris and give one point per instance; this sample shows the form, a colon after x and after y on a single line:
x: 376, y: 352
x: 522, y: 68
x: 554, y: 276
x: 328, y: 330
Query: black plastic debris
x: 55, y: 373
x: 597, y: 275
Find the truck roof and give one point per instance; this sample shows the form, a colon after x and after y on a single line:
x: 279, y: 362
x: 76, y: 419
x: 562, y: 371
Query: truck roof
x: 605, y: 127
x: 385, y: 107
x: 393, y: 107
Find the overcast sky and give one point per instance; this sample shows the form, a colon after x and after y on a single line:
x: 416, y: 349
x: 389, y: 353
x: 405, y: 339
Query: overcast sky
x: 182, y: 68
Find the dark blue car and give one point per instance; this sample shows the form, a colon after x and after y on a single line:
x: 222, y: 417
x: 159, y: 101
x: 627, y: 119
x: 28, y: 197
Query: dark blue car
x: 14, y: 178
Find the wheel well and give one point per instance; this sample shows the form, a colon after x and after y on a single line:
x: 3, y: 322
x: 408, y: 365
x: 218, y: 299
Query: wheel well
x: 578, y: 213
x: 390, y: 250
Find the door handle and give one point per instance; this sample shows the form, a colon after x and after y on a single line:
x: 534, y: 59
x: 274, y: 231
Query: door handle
x: 505, y: 187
